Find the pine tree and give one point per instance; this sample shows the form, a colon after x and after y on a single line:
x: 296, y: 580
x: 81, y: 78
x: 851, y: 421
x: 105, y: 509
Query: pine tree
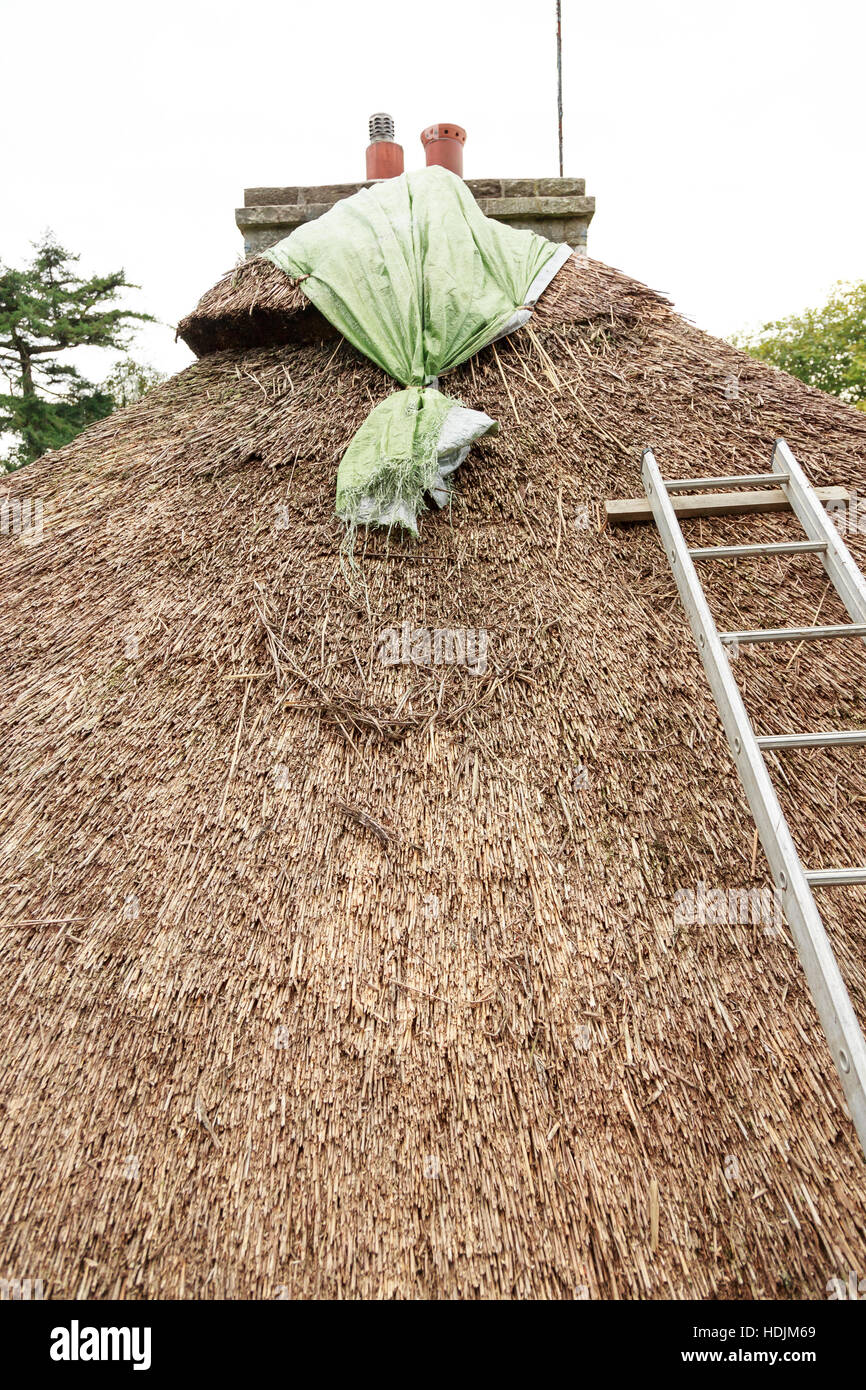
x: 47, y: 309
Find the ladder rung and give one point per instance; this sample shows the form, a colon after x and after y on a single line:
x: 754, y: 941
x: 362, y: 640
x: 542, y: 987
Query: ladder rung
x: 828, y: 878
x: 828, y: 740
x: 729, y: 552
x: 744, y: 480
x: 794, y: 634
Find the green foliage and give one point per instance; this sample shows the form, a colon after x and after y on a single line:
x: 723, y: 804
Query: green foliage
x: 47, y: 309
x: 42, y: 425
x: 128, y: 381
x: 824, y: 347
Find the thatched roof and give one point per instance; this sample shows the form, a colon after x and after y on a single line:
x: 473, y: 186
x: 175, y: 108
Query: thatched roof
x: 342, y: 978
x: 253, y: 304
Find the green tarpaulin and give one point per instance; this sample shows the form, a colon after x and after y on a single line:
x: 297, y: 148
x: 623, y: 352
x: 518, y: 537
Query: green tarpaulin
x: 418, y: 279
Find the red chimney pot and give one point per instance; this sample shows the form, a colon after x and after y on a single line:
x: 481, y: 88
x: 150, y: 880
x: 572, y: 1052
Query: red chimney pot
x: 443, y: 144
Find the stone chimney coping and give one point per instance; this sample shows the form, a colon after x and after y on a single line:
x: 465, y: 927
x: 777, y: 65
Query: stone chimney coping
x: 298, y: 195
x: 556, y: 208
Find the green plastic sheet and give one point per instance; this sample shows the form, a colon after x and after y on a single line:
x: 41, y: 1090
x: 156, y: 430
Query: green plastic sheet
x: 417, y: 278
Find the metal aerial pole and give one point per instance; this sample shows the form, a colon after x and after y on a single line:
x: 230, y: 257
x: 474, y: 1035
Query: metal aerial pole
x: 559, y: 76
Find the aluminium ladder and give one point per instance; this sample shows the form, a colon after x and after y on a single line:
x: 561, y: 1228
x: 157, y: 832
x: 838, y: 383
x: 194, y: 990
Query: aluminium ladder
x: 793, y: 882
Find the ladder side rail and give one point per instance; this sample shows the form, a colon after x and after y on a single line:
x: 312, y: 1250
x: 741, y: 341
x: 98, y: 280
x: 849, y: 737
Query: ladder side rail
x: 843, y: 1032
x: 837, y: 559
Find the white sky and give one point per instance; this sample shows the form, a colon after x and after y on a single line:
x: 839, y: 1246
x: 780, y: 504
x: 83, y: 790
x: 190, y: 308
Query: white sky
x: 724, y: 142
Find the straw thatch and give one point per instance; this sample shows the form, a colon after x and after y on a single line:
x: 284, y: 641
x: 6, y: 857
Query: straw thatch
x: 254, y: 303
x: 329, y: 978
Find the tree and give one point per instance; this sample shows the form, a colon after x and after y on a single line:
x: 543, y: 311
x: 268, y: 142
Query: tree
x: 823, y: 347
x: 128, y: 381
x: 47, y: 309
